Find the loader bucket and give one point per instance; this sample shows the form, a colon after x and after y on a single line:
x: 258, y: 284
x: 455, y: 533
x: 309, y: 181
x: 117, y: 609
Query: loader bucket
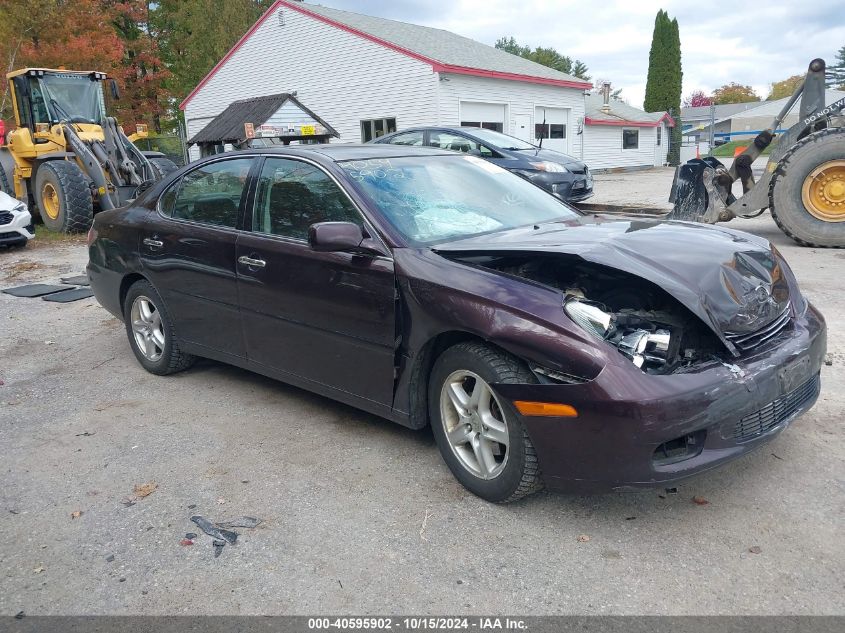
x: 695, y: 194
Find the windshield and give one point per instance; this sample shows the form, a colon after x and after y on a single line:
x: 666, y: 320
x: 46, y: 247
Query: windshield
x: 431, y: 199
x: 501, y: 140
x: 66, y: 97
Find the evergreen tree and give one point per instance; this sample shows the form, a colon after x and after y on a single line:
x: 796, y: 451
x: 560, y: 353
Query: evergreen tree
x: 665, y: 77
x: 546, y: 56
x: 836, y: 71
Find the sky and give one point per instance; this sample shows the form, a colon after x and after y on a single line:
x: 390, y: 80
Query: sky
x: 753, y: 43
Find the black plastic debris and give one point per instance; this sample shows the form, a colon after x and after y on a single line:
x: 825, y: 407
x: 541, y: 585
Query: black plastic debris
x: 218, y: 547
x: 66, y: 296
x: 191, y: 535
x: 213, y: 531
x: 110, y: 558
x: 240, y: 522
x: 34, y: 290
x: 77, y: 280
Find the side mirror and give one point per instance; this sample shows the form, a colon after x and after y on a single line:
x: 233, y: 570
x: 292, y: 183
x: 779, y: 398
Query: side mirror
x: 115, y: 91
x: 333, y: 237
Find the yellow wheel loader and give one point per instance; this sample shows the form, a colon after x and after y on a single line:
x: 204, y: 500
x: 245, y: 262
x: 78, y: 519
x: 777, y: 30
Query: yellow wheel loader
x: 66, y: 159
x: 803, y: 184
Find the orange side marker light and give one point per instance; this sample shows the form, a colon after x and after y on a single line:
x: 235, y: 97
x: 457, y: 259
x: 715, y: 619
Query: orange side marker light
x: 545, y: 409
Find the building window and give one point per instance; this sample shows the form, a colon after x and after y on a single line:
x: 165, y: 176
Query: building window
x: 376, y: 128
x: 487, y: 125
x: 630, y: 139
x: 659, y: 134
x: 551, y: 130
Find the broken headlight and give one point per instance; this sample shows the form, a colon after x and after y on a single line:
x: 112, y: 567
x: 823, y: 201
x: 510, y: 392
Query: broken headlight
x: 646, y: 344
x: 589, y: 316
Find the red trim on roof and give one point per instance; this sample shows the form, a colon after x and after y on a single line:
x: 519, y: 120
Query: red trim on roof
x: 624, y: 123
x: 435, y: 65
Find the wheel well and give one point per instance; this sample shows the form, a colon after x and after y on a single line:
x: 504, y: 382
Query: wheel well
x: 126, y: 284
x: 421, y: 370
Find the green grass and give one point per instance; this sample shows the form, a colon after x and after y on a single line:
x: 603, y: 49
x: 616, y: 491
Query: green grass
x: 43, y: 234
x: 728, y: 148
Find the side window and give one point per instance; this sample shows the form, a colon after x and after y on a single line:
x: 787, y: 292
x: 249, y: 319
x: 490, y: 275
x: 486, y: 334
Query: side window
x: 630, y: 139
x: 210, y: 194
x: 446, y: 140
x: 167, y: 202
x: 411, y: 138
x: 293, y: 195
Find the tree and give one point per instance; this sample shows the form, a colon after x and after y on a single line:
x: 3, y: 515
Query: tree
x: 194, y: 35
x: 665, y: 77
x: 546, y: 56
x: 597, y: 85
x: 697, y: 99
x: 734, y: 93
x: 836, y: 71
x: 784, y: 88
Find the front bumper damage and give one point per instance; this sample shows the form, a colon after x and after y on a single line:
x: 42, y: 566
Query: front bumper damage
x: 636, y: 430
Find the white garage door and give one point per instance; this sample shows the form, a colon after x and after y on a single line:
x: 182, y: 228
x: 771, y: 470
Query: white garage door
x: 486, y: 115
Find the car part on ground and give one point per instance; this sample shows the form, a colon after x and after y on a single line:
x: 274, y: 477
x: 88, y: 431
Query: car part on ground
x: 16, y: 227
x: 66, y: 158
x: 803, y: 184
x: 659, y: 349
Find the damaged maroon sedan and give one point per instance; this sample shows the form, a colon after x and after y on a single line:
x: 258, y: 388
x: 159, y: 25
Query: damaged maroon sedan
x: 544, y: 347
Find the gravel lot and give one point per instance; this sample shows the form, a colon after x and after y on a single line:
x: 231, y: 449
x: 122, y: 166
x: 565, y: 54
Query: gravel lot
x: 360, y: 515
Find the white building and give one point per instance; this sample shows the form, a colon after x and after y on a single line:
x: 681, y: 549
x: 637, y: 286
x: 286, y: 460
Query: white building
x: 367, y: 76
x: 617, y: 135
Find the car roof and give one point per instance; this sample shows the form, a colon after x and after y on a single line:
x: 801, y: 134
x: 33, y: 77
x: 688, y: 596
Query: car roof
x: 343, y: 151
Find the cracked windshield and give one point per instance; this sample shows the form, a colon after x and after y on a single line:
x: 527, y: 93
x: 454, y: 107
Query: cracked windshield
x: 436, y: 200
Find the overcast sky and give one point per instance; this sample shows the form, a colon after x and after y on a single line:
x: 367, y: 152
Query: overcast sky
x: 752, y: 43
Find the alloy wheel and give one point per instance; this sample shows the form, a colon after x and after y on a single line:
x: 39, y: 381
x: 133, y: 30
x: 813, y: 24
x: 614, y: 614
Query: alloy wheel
x: 475, y: 424
x: 147, y: 328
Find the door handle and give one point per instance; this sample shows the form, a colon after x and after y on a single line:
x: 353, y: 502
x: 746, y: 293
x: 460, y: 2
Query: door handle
x: 252, y: 263
x: 152, y: 243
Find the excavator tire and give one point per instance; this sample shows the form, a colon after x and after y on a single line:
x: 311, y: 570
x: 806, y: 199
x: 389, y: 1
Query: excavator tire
x: 5, y: 187
x: 163, y: 166
x: 63, y: 197
x: 807, y: 192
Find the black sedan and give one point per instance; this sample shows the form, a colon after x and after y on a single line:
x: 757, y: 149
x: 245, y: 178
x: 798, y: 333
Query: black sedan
x: 560, y: 174
x: 428, y: 287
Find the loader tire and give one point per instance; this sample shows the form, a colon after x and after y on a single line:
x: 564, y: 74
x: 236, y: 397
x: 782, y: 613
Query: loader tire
x: 163, y: 166
x: 807, y: 194
x: 5, y: 187
x: 63, y: 197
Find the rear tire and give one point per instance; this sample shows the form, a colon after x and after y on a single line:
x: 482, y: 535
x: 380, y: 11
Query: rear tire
x: 63, y: 197
x: 163, y: 166
x: 489, y: 452
x: 151, y: 332
x: 785, y: 194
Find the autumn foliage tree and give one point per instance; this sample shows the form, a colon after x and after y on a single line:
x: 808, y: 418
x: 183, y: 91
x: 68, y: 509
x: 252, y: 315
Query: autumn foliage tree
x: 103, y: 35
x: 734, y: 93
x: 697, y: 99
x: 784, y: 88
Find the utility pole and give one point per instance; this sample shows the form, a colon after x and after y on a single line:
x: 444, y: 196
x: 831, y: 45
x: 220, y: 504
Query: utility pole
x: 712, y: 124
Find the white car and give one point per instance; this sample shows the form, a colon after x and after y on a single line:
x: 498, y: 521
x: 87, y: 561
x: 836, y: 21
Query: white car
x: 16, y: 227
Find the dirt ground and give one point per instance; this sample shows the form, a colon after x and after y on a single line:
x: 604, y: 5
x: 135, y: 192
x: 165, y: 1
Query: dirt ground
x: 360, y: 515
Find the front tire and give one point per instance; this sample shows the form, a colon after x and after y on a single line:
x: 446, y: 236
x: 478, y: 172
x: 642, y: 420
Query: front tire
x: 807, y: 195
x: 479, y: 434
x: 151, y: 333
x: 63, y: 197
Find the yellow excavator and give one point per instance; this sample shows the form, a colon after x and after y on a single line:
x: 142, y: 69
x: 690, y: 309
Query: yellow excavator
x: 803, y: 184
x: 66, y: 159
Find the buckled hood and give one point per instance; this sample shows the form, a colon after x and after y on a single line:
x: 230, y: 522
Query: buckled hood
x: 734, y: 282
